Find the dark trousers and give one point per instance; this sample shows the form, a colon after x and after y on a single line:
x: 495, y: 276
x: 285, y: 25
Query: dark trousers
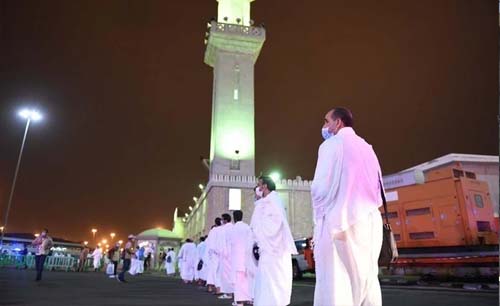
x: 39, y: 262
x: 115, y: 264
x: 126, y: 267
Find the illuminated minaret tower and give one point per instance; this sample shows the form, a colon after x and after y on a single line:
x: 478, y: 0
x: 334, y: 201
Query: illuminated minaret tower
x: 233, y: 45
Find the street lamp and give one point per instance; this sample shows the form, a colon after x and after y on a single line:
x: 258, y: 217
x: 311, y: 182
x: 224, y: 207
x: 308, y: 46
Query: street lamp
x: 112, y: 236
x: 36, y: 235
x: 104, y: 241
x: 93, y: 232
x: 85, y: 243
x: 120, y: 241
x: 29, y: 115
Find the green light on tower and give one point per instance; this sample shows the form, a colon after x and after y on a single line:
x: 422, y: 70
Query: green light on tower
x: 275, y: 176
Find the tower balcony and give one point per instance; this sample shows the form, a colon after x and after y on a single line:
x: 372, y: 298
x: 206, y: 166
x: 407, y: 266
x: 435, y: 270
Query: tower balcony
x: 227, y: 37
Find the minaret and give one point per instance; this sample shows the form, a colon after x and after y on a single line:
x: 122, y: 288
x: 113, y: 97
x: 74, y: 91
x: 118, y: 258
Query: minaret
x: 233, y: 46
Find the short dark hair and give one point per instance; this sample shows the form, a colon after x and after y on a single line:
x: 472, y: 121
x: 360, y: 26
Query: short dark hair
x: 268, y: 181
x: 237, y: 215
x: 344, y: 115
x: 226, y: 217
x: 218, y: 221
x: 45, y: 230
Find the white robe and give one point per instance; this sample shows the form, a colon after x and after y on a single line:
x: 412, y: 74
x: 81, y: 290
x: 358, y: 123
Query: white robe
x: 170, y: 266
x: 188, y: 256
x: 348, y: 227
x: 97, y: 255
x: 273, y: 280
x: 202, y: 274
x: 242, y: 263
x: 213, y: 257
x: 225, y: 271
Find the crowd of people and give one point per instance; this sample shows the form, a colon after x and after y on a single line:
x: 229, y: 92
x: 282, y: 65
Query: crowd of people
x: 249, y: 263
x: 252, y: 263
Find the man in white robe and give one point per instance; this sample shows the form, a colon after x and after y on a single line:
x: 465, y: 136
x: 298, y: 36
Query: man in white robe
x: 170, y: 262
x: 224, y: 247
x: 213, y: 257
x: 273, y: 280
x: 188, y: 256
x: 346, y: 196
x: 242, y: 262
x: 201, y: 275
x: 97, y: 255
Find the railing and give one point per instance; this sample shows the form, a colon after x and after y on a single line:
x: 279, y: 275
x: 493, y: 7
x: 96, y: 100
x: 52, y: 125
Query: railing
x: 237, y: 29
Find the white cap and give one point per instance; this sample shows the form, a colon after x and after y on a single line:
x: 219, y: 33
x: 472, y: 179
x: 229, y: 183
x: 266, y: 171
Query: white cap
x: 131, y: 236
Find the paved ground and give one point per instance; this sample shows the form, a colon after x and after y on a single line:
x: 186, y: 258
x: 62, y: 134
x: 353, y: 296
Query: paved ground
x: 68, y: 288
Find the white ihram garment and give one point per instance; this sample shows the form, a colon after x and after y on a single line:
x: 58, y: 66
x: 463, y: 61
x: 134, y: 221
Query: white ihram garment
x: 202, y: 274
x: 242, y: 263
x: 170, y: 266
x: 213, y: 257
x: 273, y: 280
x: 97, y: 255
x: 188, y: 256
x: 348, y: 227
x: 224, y: 270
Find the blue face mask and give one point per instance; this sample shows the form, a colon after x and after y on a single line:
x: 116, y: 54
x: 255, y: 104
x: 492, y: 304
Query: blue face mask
x: 326, y: 133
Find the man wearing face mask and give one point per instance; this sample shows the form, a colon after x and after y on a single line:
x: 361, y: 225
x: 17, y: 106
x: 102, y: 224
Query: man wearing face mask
x: 273, y: 279
x: 43, y: 243
x: 346, y: 196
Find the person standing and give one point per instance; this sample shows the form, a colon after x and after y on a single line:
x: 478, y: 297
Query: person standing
x: 224, y: 271
x: 346, y: 196
x: 170, y: 262
x: 188, y: 255
x: 273, y: 279
x: 83, y: 259
x: 213, y: 282
x: 128, y: 253
x: 201, y: 275
x: 43, y: 243
x: 242, y: 263
x: 97, y: 256
x: 114, y: 257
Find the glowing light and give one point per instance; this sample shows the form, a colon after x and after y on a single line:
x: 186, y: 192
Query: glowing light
x: 120, y: 241
x: 190, y: 208
x: 195, y: 199
x: 85, y: 242
x: 104, y: 241
x: 30, y: 114
x: 275, y: 176
x: 234, y: 199
x: 201, y: 187
x: 1, y: 228
x: 37, y: 234
x: 186, y: 215
x: 112, y: 235
x: 94, y: 231
x: 99, y: 244
x: 107, y: 246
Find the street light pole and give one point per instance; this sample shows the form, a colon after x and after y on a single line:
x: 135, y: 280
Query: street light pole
x: 13, y: 187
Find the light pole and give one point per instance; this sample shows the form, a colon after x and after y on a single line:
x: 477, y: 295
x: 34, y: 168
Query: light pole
x: 93, y: 233
x: 29, y: 115
x: 112, y: 236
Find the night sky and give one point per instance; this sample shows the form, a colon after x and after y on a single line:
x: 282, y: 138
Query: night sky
x: 127, y: 97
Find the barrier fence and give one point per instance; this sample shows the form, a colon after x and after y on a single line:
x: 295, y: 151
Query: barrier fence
x: 52, y: 263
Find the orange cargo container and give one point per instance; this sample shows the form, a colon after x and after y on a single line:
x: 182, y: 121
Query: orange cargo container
x: 451, y: 208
